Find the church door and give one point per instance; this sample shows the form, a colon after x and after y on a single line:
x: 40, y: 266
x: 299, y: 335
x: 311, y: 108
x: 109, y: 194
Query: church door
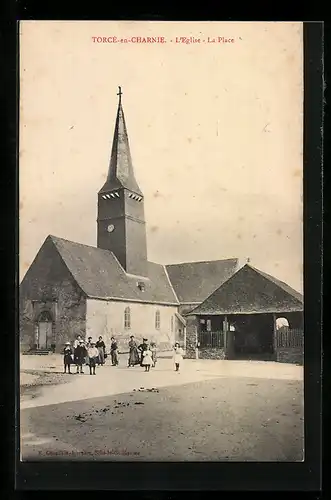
x: 44, y: 331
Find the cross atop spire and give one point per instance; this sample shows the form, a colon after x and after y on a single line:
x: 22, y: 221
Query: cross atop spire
x: 120, y: 173
x: 119, y: 93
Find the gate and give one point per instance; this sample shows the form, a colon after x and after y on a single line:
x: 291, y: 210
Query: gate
x: 289, y: 338
x: 211, y: 339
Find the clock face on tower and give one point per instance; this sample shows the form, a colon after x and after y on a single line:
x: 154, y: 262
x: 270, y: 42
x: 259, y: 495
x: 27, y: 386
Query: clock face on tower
x: 110, y: 228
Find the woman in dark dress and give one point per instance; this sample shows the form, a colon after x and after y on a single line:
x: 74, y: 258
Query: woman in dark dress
x: 80, y: 354
x: 101, y: 346
x: 142, y: 348
x: 133, y: 353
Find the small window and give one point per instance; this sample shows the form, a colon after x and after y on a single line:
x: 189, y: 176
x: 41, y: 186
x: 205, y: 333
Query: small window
x: 208, y: 325
x: 127, y: 318
x: 157, y: 320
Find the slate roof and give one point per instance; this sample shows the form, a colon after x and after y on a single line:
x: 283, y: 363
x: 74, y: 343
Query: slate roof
x: 120, y: 173
x: 193, y: 282
x: 99, y: 274
x: 250, y: 291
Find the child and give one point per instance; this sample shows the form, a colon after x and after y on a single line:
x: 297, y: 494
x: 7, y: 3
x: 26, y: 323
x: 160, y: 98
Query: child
x: 93, y: 354
x: 178, y: 356
x: 147, y: 359
x: 67, y: 359
x: 153, y: 349
x: 79, y: 356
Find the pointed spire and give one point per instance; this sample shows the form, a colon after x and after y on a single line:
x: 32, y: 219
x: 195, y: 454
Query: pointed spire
x: 120, y: 173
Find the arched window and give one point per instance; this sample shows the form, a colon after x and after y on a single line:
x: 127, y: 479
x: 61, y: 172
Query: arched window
x: 157, y: 320
x: 44, y: 316
x: 127, y: 318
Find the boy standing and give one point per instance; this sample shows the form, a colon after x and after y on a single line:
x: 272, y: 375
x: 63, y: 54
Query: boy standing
x: 67, y: 359
x: 93, y: 354
x: 114, y: 352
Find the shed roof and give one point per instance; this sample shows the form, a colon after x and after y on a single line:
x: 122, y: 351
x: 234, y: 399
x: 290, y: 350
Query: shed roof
x: 193, y: 282
x: 250, y: 291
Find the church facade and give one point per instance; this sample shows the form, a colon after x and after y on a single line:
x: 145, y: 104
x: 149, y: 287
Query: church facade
x: 112, y: 289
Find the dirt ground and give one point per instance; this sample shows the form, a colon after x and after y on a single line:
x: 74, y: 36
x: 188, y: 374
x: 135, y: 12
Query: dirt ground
x: 227, y: 419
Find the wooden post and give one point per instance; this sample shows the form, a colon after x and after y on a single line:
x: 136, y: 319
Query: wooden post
x: 274, y: 335
x: 225, y: 335
x: 185, y: 338
x: 196, y: 342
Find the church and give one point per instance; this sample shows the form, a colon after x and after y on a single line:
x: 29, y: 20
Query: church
x: 112, y: 289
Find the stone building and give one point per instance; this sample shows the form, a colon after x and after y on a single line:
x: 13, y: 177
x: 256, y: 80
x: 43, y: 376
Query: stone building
x: 112, y: 289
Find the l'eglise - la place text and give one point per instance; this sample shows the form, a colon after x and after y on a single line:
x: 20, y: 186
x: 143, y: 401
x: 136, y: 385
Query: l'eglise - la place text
x: 209, y: 39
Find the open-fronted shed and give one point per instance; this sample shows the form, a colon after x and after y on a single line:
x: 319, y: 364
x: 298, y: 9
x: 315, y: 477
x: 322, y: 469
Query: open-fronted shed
x: 239, y: 319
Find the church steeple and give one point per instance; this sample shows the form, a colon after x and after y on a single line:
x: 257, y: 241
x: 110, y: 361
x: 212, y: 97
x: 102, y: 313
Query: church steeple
x: 120, y: 172
x: 121, y: 218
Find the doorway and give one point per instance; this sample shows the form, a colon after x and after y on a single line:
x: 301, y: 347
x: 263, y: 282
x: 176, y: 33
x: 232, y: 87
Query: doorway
x: 45, y: 331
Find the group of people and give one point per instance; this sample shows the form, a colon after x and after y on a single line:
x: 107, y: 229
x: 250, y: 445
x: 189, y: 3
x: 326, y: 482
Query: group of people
x: 88, y: 353
x: 92, y: 353
x: 143, y: 354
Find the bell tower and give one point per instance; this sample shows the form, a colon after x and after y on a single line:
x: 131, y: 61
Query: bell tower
x: 121, y: 216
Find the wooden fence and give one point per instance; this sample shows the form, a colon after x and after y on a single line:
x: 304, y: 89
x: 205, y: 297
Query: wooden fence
x: 289, y: 338
x: 211, y: 339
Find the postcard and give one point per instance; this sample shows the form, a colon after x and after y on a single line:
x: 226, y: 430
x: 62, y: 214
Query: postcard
x: 161, y: 241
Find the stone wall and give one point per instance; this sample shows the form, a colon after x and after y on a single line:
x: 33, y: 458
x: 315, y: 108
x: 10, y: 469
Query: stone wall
x: 191, y: 336
x: 48, y: 286
x: 211, y: 353
x: 106, y: 318
x: 290, y: 355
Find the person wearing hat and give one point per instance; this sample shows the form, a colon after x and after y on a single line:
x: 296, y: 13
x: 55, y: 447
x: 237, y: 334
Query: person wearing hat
x: 133, y: 352
x: 80, y: 354
x: 67, y: 357
x: 93, y: 354
x: 77, y: 341
x: 142, y: 348
x: 147, y: 359
x: 178, y: 356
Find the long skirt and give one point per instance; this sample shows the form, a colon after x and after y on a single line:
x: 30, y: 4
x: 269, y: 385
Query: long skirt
x: 134, y: 357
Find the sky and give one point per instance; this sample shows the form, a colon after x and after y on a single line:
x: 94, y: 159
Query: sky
x: 215, y: 130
